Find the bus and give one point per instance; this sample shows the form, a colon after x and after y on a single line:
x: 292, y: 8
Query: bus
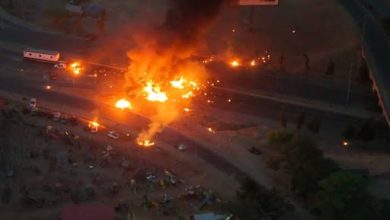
x: 41, y: 55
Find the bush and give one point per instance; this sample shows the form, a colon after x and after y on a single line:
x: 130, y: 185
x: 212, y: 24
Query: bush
x: 300, y: 157
x: 344, y: 195
x: 255, y: 202
x: 280, y: 136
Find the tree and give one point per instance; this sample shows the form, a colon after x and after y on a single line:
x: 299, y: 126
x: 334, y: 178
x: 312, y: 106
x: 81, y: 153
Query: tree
x: 255, y: 202
x: 280, y: 136
x: 300, y: 157
x: 306, y: 164
x: 343, y: 195
x: 330, y: 68
x: 300, y: 120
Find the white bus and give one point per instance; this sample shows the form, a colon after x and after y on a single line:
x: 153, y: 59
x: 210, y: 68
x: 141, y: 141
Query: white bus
x: 41, y: 55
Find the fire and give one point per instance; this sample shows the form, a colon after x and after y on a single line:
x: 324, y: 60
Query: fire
x: 187, y: 109
x: 253, y: 63
x: 48, y: 87
x: 187, y: 95
x: 165, y: 72
x: 123, y: 104
x: 153, y: 92
x: 93, y: 124
x: 145, y: 143
x: 234, y: 63
x: 178, y: 83
x: 75, y: 68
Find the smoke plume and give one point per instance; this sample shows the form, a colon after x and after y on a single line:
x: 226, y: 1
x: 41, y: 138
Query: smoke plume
x: 163, y: 53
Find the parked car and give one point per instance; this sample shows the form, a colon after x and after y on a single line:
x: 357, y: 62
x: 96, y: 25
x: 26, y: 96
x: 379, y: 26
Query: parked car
x: 60, y: 65
x: 113, y: 134
x: 33, y: 106
x: 56, y: 116
x: 181, y: 147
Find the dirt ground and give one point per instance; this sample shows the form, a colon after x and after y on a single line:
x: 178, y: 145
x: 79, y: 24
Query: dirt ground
x: 65, y: 164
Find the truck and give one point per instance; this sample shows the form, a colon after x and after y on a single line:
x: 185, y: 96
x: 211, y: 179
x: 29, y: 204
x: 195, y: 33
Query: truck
x: 41, y: 55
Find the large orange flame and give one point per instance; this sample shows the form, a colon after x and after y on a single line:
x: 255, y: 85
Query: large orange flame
x: 153, y: 92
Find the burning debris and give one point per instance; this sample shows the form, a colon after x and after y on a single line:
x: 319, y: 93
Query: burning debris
x: 123, y: 104
x: 75, y: 68
x: 162, y: 76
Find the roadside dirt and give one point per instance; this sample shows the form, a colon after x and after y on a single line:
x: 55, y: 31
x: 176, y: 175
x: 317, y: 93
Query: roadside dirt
x: 51, y: 163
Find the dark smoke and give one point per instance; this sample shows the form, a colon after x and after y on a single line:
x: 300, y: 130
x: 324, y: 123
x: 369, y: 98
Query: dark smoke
x: 187, y: 20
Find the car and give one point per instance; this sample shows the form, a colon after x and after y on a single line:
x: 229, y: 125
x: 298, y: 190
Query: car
x: 56, y: 116
x: 33, y: 104
x: 113, y: 134
x: 254, y: 150
x: 181, y: 147
x: 60, y: 65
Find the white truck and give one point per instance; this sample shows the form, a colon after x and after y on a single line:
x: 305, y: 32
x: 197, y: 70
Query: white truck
x: 41, y: 55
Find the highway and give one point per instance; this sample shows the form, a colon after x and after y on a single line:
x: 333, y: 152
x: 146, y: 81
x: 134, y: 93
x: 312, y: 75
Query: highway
x: 254, y: 80
x: 12, y: 81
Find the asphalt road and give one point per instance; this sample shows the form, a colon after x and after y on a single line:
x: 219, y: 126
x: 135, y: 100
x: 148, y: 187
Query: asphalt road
x: 265, y: 108
x: 257, y: 80
x: 276, y: 83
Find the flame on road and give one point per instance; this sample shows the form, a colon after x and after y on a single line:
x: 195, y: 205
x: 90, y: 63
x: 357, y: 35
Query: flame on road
x: 123, y: 104
x: 93, y: 126
x: 153, y: 92
x: 75, y: 67
x: 234, y: 63
x: 253, y: 63
x: 145, y: 143
x: 178, y: 83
